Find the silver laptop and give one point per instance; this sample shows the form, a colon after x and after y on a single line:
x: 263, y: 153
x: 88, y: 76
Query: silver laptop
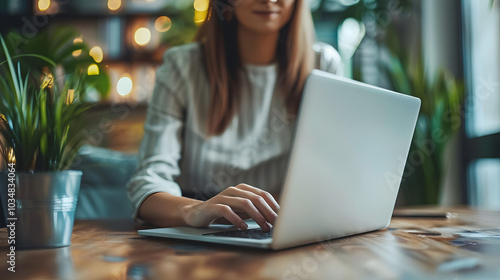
x: 344, y: 170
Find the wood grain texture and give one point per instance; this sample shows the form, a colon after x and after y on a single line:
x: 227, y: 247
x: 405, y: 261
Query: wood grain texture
x: 464, y: 247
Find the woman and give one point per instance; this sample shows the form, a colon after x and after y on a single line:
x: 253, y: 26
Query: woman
x: 221, y: 118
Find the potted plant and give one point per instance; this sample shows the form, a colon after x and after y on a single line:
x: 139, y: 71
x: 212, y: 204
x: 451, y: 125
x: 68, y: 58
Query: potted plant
x: 39, y: 137
x: 402, y: 69
x: 439, y: 120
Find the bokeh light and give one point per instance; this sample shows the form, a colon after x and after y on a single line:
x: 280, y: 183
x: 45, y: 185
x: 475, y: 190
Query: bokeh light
x: 350, y: 34
x: 124, y: 85
x: 199, y: 17
x: 93, y: 70
x: 142, y: 36
x: 96, y: 54
x: 43, y: 5
x: 201, y: 5
x: 163, y: 24
x: 114, y: 5
x: 77, y: 41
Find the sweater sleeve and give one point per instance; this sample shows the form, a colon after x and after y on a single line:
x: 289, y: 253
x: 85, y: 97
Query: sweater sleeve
x: 160, y: 150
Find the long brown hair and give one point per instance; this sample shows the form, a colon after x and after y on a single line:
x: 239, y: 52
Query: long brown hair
x: 222, y: 63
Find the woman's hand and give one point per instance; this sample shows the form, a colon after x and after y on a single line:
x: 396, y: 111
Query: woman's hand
x: 232, y: 204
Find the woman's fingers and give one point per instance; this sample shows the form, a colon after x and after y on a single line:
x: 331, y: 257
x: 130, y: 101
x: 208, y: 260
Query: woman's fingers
x: 233, y: 204
x: 258, y: 201
x: 267, y: 196
x: 228, y: 213
x: 242, y: 215
x: 243, y: 204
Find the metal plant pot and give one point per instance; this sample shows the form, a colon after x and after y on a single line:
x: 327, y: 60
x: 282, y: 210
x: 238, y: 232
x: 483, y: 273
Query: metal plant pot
x: 45, y: 207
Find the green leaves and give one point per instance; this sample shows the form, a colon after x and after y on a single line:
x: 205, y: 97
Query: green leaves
x: 41, y: 126
x: 440, y: 118
x: 50, y: 61
x: 55, y: 46
x: 41, y: 122
x: 15, y: 105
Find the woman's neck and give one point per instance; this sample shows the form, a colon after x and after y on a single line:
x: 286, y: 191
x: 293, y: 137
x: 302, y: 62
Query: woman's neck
x: 256, y: 48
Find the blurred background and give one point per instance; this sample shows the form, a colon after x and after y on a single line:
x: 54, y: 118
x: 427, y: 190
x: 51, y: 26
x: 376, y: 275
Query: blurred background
x: 446, y: 52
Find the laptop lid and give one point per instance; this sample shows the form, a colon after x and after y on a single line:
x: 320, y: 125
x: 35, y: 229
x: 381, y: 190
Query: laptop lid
x: 349, y: 151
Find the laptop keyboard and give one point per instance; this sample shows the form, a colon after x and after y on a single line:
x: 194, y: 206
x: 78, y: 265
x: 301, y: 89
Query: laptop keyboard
x: 249, y: 233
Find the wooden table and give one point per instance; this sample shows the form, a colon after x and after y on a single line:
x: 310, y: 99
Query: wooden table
x: 409, y: 249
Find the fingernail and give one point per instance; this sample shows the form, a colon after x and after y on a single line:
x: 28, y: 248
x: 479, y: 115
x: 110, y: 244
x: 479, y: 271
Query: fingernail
x: 266, y: 226
x: 243, y: 226
x: 270, y: 225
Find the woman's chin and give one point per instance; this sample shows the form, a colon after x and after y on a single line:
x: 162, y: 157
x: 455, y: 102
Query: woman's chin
x: 264, y: 27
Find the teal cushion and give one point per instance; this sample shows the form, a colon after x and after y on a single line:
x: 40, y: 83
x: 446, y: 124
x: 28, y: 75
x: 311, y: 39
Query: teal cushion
x: 103, y: 193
